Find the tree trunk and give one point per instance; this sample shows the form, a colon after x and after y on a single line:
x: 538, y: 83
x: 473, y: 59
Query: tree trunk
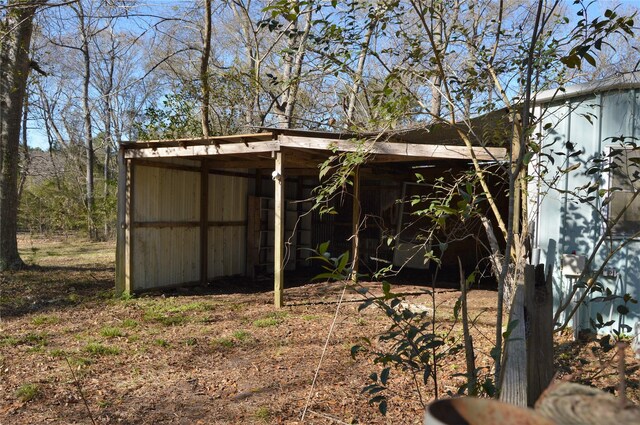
x: 357, y: 78
x: 26, y: 161
x: 86, y: 109
x: 15, y: 39
x: 292, y: 77
x: 204, y: 71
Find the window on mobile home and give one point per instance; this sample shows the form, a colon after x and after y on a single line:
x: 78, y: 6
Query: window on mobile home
x: 625, y: 178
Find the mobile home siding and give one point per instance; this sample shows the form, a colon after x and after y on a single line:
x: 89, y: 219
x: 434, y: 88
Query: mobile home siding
x: 565, y: 226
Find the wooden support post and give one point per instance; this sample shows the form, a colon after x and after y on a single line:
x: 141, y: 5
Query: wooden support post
x: 278, y: 243
x: 130, y: 228
x: 513, y: 380
x: 539, y: 312
x: 204, y: 222
x: 124, y: 249
x: 122, y: 225
x: 355, y: 224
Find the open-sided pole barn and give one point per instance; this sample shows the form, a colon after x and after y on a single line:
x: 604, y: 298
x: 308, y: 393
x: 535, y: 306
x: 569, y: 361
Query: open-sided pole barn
x: 192, y: 210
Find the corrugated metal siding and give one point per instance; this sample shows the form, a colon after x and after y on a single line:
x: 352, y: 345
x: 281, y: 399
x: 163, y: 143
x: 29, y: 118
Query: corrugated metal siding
x: 564, y: 225
x: 165, y: 256
x: 170, y: 255
x: 162, y: 194
x: 228, y: 244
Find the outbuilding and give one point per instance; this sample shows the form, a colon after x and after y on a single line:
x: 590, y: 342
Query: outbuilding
x: 193, y: 210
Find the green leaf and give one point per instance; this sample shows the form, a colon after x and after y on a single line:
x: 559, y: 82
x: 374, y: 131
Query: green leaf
x: 323, y: 247
x: 590, y: 59
x: 355, y: 350
x: 386, y: 289
x: 344, y: 259
x: 383, y: 407
x: 622, y: 309
x: 510, y: 327
x: 570, y: 168
x: 456, y: 308
x: 384, y: 375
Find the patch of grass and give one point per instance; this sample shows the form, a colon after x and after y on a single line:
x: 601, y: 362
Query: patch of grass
x: 161, y: 342
x: 226, y: 342
x: 191, y: 342
x: 111, y: 332
x: 129, y: 323
x: 272, y: 319
x: 170, y: 307
x: 360, y: 321
x: 126, y: 296
x: 193, y: 306
x: 163, y: 317
x: 238, y: 337
x: 27, y: 392
x: 45, y: 320
x: 9, y: 340
x: 57, y: 353
x: 241, y: 335
x: 310, y: 317
x: 97, y: 349
x: 35, y: 339
x: 80, y: 361
x: 263, y: 414
x: 266, y: 322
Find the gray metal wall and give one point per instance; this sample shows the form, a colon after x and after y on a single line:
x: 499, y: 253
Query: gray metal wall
x: 562, y: 224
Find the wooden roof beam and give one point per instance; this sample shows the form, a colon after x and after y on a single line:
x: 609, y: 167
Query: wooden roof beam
x: 395, y: 148
x: 204, y: 150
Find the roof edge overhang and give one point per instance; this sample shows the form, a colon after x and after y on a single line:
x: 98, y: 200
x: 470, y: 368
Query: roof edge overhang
x: 629, y: 80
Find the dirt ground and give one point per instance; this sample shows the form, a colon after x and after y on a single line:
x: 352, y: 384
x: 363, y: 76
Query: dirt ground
x: 71, y: 353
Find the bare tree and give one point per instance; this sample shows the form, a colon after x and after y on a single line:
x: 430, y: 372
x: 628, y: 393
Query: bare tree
x: 16, y: 27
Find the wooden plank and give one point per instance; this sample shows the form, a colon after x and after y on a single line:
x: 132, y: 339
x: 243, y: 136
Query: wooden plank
x: 355, y: 224
x: 210, y: 223
x: 204, y: 221
x: 539, y: 311
x: 203, y: 150
x: 513, y: 387
x: 278, y: 243
x: 120, y: 233
x: 167, y: 165
x: 129, y: 284
x: 196, y: 140
x: 394, y: 148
